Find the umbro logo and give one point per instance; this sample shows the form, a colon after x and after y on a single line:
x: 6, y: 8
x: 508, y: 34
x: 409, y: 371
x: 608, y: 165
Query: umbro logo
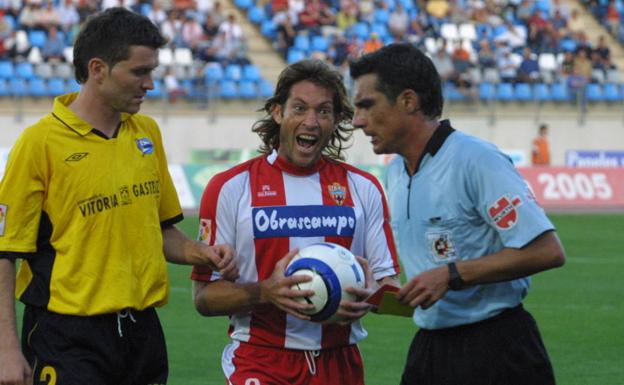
x: 76, y: 157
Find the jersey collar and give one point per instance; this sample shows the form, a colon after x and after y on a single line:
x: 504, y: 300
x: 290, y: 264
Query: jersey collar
x: 286, y: 166
x: 63, y: 113
x: 436, y: 141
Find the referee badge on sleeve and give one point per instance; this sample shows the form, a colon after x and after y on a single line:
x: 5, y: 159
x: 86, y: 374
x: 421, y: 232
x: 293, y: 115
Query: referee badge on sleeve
x: 3, y: 214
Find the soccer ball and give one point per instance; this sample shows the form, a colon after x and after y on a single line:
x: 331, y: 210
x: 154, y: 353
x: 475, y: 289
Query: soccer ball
x: 333, y: 268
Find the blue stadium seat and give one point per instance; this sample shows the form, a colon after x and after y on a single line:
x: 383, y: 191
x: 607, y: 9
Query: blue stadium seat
x: 567, y: 45
x: 612, y: 93
x: 72, y: 86
x: 24, y: 70
x: 18, y: 87
x: 268, y: 29
x: 146, y: 8
x: 541, y: 92
x: 247, y: 89
x: 233, y: 72
x: 244, y: 4
x: 505, y: 92
x: 381, y: 15
x: 294, y: 55
x: 256, y: 15
x: 157, y: 92
x: 319, y: 43
x: 523, y: 92
x: 56, y: 86
x: 451, y: 92
x: 359, y: 30
x: 10, y: 21
x: 302, y: 42
x: 265, y: 89
x: 593, y: 92
x: 560, y: 92
x: 213, y: 73
x: 251, y: 72
x: 4, y: 88
x: 37, y: 87
x: 381, y: 30
x: 487, y: 91
x: 228, y: 89
x: 37, y: 38
x: 6, y: 69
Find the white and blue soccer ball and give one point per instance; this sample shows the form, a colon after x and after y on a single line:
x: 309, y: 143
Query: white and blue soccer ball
x: 333, y: 268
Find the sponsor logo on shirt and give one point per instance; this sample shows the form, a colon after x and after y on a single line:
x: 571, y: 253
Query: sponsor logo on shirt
x: 76, y: 157
x: 303, y: 221
x: 338, y: 192
x: 204, y: 230
x: 265, y: 191
x: 503, y: 212
x: 145, y: 146
x: 3, y: 214
x: 442, y: 247
x: 104, y: 202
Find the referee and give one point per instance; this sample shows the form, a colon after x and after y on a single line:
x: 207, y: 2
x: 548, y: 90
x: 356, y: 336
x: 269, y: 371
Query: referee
x: 89, y: 207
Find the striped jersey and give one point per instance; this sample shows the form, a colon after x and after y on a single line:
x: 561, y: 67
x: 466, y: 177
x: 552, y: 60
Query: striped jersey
x: 266, y: 207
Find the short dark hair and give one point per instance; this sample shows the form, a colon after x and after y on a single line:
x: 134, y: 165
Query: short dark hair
x: 109, y: 35
x: 319, y: 73
x: 403, y: 66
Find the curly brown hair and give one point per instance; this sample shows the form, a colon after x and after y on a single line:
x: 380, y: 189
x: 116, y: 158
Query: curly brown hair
x: 321, y: 74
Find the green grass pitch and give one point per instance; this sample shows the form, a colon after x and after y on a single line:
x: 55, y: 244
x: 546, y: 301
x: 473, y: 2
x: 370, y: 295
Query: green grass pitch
x: 579, y: 308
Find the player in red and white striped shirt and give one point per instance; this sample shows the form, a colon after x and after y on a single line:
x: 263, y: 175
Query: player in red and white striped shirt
x: 296, y: 194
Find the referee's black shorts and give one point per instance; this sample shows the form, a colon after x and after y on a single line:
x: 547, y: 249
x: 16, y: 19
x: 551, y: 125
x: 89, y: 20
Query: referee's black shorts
x: 503, y: 350
x: 125, y: 348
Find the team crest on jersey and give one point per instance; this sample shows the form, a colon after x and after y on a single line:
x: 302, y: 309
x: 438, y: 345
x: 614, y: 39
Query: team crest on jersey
x: 338, y: 193
x: 442, y: 247
x: 204, y: 230
x: 145, y: 146
x: 503, y: 212
x: 3, y: 213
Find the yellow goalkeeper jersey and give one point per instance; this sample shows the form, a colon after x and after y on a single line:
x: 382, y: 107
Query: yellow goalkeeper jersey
x: 85, y: 214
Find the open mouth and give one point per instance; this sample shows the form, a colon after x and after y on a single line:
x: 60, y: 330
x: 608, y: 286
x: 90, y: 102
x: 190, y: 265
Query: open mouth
x: 306, y: 141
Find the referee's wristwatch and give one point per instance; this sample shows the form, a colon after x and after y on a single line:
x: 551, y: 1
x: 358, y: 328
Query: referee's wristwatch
x: 455, y: 280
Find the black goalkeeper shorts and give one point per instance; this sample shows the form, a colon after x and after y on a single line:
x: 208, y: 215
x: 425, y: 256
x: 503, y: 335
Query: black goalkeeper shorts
x: 504, y: 350
x: 125, y: 348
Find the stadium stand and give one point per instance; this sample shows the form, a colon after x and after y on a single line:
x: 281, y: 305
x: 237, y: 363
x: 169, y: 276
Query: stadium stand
x: 493, y: 52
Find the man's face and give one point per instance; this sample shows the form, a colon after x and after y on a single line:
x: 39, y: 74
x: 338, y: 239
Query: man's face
x: 125, y: 85
x: 307, y: 123
x: 380, y: 120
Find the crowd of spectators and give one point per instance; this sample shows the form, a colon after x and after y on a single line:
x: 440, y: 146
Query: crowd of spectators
x: 201, y: 26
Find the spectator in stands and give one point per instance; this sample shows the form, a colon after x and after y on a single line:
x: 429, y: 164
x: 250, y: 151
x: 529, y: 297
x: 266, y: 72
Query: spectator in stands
x: 567, y: 66
x: 602, y: 48
x: 69, y: 19
x: 191, y: 31
x: 524, y: 11
x: 581, y: 75
x: 507, y: 67
x: 347, y: 15
x: 575, y: 22
x: 444, y: 64
x: 86, y: 8
x: 528, y: 71
x: 559, y: 22
x: 29, y: 14
x: 583, y: 44
x: 48, y: 17
x: 540, y: 149
x: 217, y: 13
x: 398, y: 22
x: 612, y: 18
x: 558, y: 8
x: 286, y: 34
x: 52, y: 50
x: 171, y: 29
x: 229, y: 40
x: 5, y: 27
x: 514, y: 36
x: 438, y: 8
x: 486, y: 57
x: 172, y: 86
x: 316, y: 15
x: 17, y: 45
x: 156, y: 14
x: 366, y: 9
x: 372, y: 44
